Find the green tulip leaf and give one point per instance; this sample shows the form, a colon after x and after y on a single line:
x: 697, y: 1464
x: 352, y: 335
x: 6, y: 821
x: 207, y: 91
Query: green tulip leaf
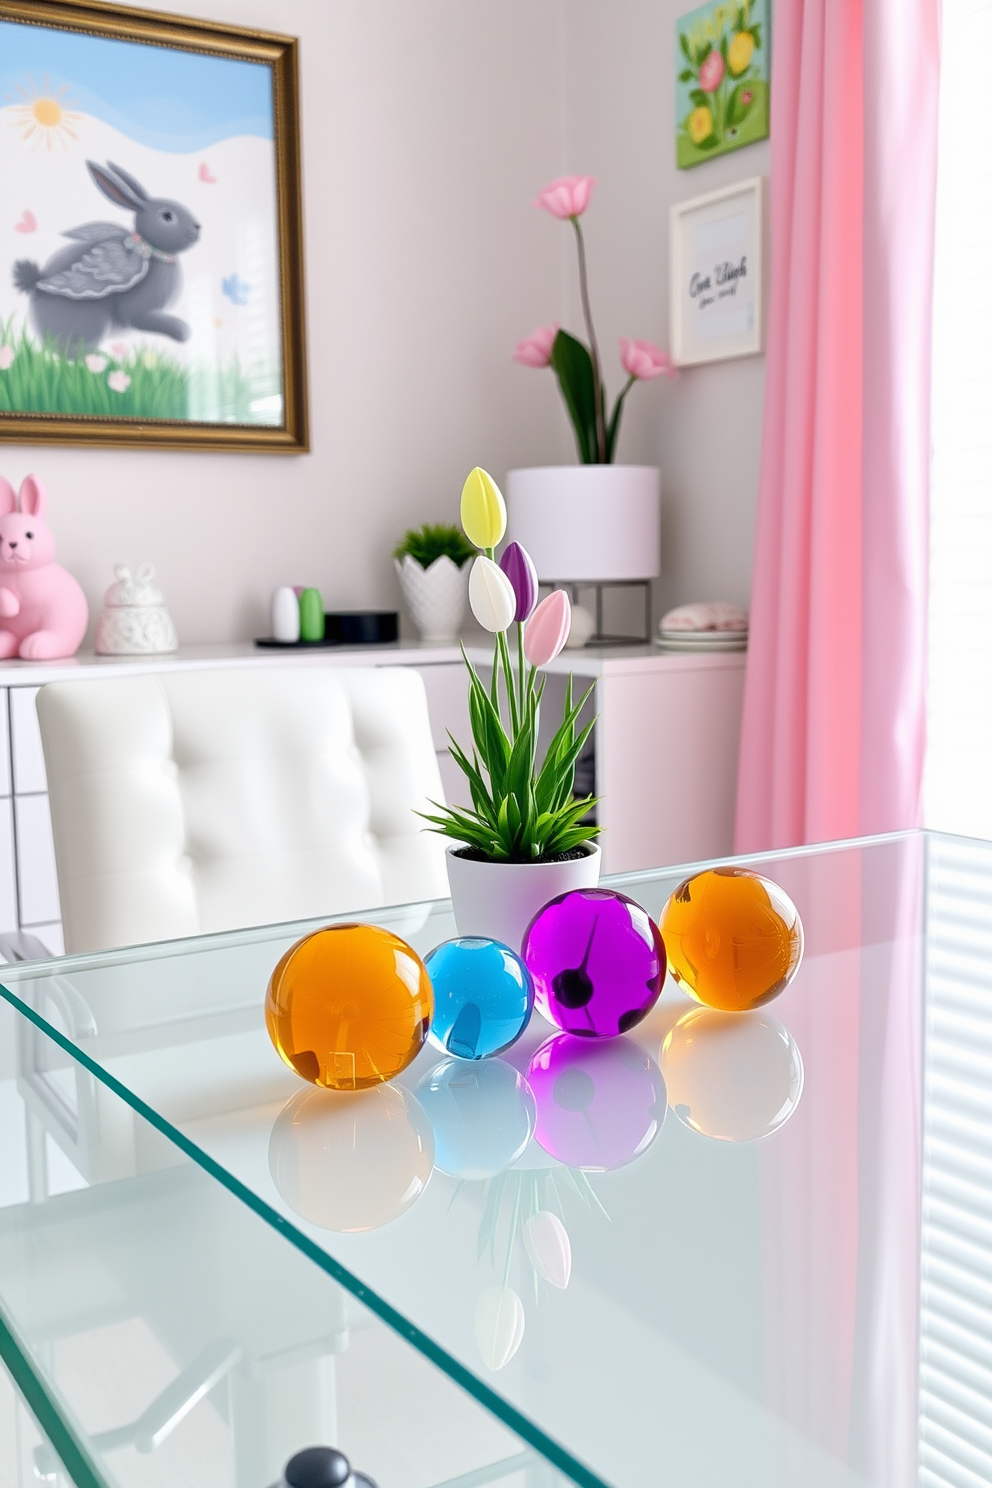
x: 572, y: 365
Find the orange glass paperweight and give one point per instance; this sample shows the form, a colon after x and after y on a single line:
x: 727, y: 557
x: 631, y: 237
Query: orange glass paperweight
x: 734, y: 939
x: 349, y: 1006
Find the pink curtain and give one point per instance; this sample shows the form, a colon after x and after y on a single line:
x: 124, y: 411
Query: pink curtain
x: 832, y: 741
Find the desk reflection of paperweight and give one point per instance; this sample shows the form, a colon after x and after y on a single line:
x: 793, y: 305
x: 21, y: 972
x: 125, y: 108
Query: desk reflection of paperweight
x: 483, y: 1115
x: 349, y: 1163
x: 600, y: 1103
x: 732, y: 1076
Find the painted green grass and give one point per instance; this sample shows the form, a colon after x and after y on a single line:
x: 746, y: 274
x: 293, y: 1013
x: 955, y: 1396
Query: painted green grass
x: 146, y: 384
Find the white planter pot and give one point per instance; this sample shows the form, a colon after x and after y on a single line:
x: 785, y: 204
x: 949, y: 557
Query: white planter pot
x: 499, y: 900
x: 588, y: 523
x: 435, y: 596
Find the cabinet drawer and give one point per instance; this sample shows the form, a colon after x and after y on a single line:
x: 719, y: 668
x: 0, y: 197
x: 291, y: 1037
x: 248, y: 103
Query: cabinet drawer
x: 25, y: 738
x: 37, y: 882
x: 447, y: 700
x: 8, y: 896
x: 4, y: 744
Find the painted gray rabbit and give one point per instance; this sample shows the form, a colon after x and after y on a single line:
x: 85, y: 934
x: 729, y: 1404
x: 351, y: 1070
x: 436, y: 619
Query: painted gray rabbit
x: 110, y: 278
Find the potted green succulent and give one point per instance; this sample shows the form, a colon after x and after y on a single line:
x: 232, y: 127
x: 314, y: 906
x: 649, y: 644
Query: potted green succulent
x: 432, y: 564
x: 525, y: 837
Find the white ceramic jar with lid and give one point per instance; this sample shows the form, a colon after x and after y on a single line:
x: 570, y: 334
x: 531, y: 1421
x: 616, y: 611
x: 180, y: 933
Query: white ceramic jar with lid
x: 134, y: 620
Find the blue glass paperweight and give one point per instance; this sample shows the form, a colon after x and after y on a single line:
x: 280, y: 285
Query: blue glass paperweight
x: 483, y: 997
x: 483, y: 1116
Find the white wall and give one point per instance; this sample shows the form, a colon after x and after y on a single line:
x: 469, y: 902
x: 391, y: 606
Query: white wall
x: 704, y: 430
x: 427, y: 129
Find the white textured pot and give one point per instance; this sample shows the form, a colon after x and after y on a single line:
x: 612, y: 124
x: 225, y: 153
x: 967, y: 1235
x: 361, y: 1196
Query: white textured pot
x: 499, y: 900
x: 434, y: 596
x: 588, y: 523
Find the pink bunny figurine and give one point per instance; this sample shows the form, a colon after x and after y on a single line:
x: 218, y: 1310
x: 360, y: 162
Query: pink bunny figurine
x: 43, y: 611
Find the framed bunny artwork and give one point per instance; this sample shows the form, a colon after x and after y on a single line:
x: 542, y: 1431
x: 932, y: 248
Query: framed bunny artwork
x: 151, y: 246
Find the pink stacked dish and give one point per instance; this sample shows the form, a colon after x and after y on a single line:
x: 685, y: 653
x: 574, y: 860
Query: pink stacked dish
x: 712, y: 625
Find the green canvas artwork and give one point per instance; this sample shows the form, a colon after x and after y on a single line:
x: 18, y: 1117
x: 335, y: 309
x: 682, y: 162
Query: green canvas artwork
x: 722, y: 88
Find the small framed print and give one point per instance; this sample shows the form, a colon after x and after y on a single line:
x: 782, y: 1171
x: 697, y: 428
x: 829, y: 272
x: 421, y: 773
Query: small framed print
x: 717, y: 274
x: 151, y: 245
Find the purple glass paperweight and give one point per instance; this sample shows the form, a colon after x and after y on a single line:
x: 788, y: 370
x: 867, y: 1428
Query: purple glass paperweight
x: 598, y: 962
x: 599, y: 1105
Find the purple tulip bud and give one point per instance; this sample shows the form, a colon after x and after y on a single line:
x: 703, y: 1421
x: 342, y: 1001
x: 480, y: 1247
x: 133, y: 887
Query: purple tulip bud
x: 519, y: 568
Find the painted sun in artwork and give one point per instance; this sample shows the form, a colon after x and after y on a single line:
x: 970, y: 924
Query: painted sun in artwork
x: 43, y: 116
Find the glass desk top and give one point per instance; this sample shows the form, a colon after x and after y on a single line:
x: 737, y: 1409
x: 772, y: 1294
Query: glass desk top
x: 777, y: 1268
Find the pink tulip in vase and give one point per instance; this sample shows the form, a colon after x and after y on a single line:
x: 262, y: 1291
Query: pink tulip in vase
x: 598, y: 521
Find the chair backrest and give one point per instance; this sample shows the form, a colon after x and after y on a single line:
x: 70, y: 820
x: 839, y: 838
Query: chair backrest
x: 195, y: 801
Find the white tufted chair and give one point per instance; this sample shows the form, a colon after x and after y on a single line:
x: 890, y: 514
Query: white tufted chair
x: 197, y: 801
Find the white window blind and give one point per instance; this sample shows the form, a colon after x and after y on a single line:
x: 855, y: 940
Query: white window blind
x: 958, y: 780
x: 956, y: 1258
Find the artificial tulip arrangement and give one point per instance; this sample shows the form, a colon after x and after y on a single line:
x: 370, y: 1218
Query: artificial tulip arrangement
x: 520, y: 814
x: 577, y: 366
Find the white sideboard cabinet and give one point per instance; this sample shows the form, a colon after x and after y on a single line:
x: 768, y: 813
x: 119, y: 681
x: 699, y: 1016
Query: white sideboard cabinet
x: 665, y: 742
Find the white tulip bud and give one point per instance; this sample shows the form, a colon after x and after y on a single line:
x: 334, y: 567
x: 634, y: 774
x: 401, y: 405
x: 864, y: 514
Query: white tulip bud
x: 491, y: 595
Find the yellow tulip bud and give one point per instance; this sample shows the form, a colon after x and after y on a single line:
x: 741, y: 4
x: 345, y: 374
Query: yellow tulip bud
x: 483, y: 511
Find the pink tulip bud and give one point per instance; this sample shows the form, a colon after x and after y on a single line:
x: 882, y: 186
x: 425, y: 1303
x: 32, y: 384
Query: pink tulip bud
x: 535, y: 350
x: 643, y: 360
x: 566, y: 197
x: 711, y: 72
x: 547, y: 629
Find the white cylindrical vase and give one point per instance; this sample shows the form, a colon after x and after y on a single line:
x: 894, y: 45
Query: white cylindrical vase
x: 592, y: 524
x: 499, y: 900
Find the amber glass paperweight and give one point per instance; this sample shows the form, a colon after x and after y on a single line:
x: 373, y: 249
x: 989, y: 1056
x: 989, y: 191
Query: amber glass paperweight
x: 734, y: 939
x: 349, y: 1006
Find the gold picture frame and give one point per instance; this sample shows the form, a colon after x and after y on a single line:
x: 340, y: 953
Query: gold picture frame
x: 98, y: 392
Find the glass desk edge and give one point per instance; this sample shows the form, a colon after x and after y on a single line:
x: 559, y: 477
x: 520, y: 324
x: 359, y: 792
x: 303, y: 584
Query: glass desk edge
x: 252, y: 934
x: 74, y: 1460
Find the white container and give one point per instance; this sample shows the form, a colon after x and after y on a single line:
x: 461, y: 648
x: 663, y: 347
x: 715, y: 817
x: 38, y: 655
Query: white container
x: 285, y: 615
x: 434, y: 596
x: 134, y: 620
x: 499, y: 900
x: 587, y: 523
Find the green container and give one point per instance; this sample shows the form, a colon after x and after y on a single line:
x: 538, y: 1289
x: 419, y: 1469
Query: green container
x: 311, y: 615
